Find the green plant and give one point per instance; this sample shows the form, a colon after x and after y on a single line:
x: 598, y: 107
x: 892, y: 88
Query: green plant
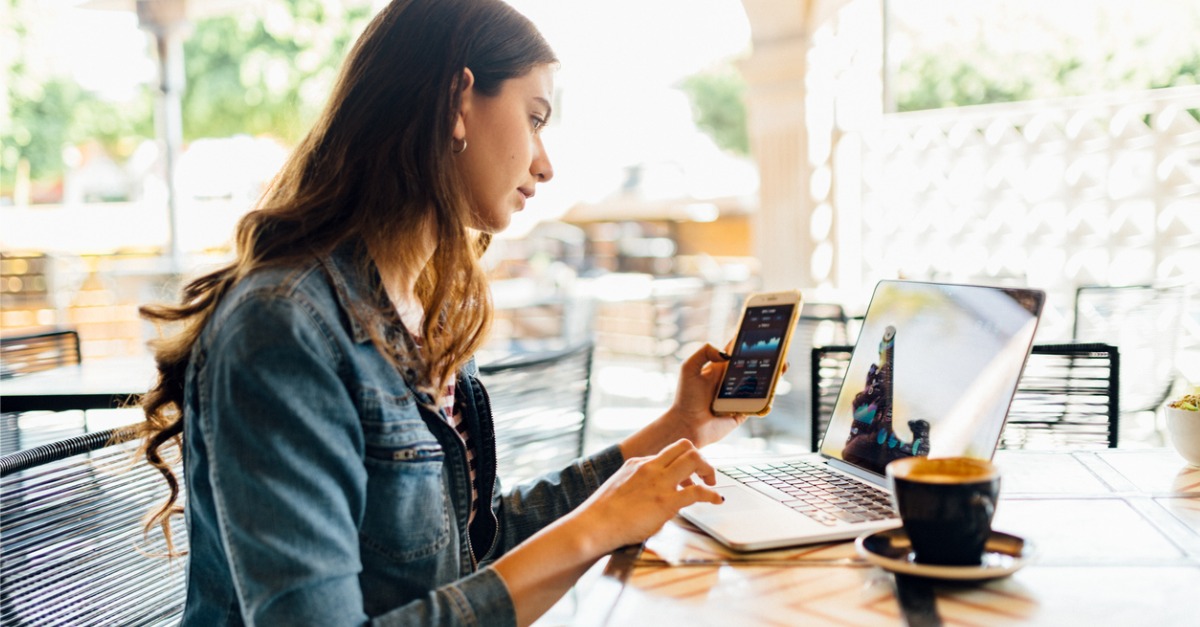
x: 1190, y: 402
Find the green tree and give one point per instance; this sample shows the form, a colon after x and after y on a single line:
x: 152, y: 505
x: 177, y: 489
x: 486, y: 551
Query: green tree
x: 39, y: 124
x: 1187, y: 72
x: 266, y: 75
x: 935, y: 81
x: 719, y: 108
x: 265, y: 72
x: 45, y: 114
x: 955, y: 77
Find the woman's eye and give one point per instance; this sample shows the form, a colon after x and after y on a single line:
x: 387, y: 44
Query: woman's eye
x: 538, y: 123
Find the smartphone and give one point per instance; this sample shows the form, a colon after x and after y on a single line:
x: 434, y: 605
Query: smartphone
x: 758, y: 354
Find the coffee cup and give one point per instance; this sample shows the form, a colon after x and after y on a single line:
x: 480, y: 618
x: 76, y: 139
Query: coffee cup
x: 1183, y: 427
x: 946, y: 506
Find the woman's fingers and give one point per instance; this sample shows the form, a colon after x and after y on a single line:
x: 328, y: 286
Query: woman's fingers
x: 699, y: 494
x: 694, y: 463
x: 694, y: 364
x: 672, y: 452
x: 681, y: 460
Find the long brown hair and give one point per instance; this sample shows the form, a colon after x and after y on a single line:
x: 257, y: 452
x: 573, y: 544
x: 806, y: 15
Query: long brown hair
x: 376, y: 168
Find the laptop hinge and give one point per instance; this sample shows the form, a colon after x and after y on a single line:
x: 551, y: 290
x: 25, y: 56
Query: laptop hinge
x: 849, y: 469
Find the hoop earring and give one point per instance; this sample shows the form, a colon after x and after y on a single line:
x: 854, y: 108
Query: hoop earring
x: 456, y: 147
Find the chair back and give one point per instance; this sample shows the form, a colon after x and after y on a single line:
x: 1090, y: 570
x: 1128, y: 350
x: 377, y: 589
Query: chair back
x: 819, y: 324
x: 1067, y: 396
x: 72, y: 551
x: 21, y: 355
x: 540, y: 407
x: 827, y: 370
x: 1146, y: 323
x: 25, y: 354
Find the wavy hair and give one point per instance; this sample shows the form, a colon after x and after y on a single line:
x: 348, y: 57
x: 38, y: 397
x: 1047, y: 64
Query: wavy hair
x: 375, y: 170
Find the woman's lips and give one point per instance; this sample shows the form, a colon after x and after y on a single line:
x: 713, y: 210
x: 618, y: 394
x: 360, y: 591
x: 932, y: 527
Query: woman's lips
x: 526, y: 194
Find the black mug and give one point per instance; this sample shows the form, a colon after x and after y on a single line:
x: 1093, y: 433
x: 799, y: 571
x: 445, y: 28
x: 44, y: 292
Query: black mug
x: 946, y: 505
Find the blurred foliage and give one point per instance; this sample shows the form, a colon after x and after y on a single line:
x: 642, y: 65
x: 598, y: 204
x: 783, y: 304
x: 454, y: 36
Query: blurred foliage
x: 269, y: 74
x: 45, y: 115
x: 261, y: 73
x: 1186, y: 73
x: 936, y: 81
x: 267, y: 71
x: 719, y: 108
x: 956, y: 77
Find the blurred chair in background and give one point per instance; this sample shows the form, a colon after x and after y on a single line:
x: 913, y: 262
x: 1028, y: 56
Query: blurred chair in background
x: 1146, y: 323
x: 540, y: 407
x: 71, y: 537
x: 1067, y: 396
x: 827, y: 370
x: 26, y: 354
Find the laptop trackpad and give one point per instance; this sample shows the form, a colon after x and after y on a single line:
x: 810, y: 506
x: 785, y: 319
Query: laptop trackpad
x: 748, y: 518
x: 739, y: 501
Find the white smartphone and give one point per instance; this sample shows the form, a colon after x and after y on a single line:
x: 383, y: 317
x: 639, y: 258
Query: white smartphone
x: 758, y: 354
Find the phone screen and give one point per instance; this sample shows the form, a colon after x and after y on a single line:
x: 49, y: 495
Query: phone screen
x: 756, y: 352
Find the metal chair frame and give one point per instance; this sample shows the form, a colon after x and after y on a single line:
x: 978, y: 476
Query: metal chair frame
x: 25, y: 354
x: 1067, y: 400
x: 22, y: 355
x: 540, y: 408
x: 71, y: 542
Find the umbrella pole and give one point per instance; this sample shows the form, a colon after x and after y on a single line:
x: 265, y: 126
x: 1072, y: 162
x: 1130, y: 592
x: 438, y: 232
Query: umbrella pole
x: 165, y: 20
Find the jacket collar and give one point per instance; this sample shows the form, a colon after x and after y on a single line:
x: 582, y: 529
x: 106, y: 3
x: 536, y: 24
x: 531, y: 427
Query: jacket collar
x: 358, y: 288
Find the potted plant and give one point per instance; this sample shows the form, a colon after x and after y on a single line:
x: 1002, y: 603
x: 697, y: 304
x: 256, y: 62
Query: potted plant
x: 1183, y: 425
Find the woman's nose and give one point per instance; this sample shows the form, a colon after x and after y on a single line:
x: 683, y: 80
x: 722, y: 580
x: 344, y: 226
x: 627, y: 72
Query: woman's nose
x: 541, y: 167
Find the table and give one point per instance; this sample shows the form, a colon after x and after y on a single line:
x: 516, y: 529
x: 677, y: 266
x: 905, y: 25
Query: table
x: 1117, y: 535
x: 100, y: 384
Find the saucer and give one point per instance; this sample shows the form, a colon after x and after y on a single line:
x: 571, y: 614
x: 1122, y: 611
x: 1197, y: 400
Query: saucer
x: 890, y: 549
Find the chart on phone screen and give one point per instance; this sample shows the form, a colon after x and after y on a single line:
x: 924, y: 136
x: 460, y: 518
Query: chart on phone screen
x: 756, y: 353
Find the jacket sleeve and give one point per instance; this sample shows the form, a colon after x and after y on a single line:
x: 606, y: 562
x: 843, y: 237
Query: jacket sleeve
x: 530, y: 506
x: 289, y: 485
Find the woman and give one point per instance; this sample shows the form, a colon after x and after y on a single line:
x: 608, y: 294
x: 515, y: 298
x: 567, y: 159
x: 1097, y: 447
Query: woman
x: 339, y: 454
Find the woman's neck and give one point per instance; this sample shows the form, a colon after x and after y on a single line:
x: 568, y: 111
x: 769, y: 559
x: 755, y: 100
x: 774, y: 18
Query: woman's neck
x: 399, y: 274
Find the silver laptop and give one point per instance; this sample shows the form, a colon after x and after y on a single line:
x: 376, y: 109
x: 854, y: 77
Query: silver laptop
x: 933, y: 372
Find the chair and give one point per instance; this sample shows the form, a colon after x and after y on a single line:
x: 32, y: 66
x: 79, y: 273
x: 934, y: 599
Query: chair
x: 1145, y: 322
x: 71, y: 542
x: 819, y: 324
x: 26, y: 354
x: 1067, y: 396
x: 540, y: 406
x: 827, y: 370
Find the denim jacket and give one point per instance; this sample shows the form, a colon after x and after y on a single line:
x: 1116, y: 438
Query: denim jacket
x: 323, y: 489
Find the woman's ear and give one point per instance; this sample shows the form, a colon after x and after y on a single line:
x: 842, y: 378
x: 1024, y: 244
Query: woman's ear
x: 466, y: 99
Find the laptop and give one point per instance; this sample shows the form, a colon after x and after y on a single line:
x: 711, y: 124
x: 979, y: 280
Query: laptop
x: 933, y: 372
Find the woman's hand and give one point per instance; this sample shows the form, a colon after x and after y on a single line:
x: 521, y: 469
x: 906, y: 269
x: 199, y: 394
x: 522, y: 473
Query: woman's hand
x: 631, y: 506
x: 692, y: 415
x: 645, y: 493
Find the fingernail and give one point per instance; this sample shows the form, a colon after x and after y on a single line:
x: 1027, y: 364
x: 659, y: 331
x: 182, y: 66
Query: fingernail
x: 724, y: 355
x: 722, y: 499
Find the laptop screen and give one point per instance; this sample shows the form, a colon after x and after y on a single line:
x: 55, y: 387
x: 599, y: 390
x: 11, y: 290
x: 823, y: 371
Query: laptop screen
x: 933, y: 372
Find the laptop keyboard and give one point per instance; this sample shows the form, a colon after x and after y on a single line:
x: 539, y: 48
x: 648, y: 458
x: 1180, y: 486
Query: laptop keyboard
x: 816, y: 491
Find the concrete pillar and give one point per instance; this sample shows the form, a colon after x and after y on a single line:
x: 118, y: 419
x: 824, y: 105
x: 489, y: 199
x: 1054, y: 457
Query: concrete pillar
x: 776, y: 102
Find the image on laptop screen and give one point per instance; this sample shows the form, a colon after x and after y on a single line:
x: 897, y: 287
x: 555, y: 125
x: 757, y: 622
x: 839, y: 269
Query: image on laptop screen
x: 932, y: 373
